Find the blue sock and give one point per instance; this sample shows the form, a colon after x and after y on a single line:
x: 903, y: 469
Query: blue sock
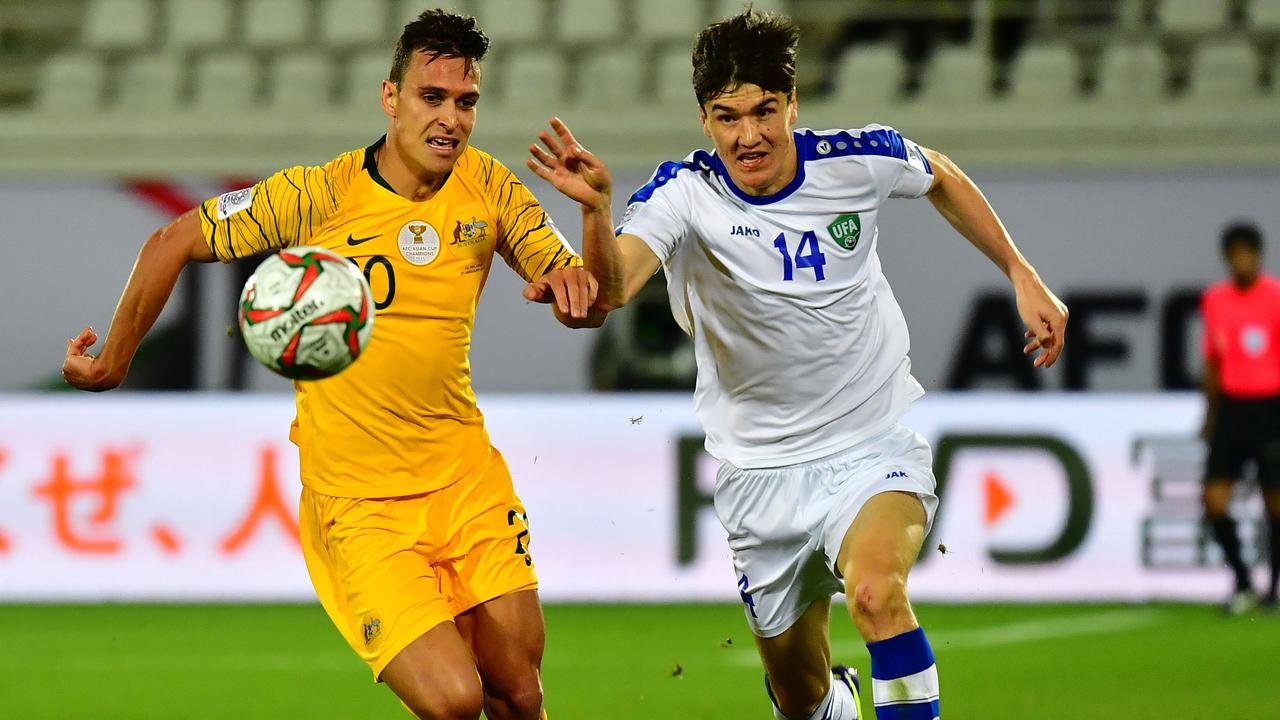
x: 904, y: 678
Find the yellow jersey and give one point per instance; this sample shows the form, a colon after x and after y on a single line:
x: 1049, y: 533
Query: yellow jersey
x: 402, y: 419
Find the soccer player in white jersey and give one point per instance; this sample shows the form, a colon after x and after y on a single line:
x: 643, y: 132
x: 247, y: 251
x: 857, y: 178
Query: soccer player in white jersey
x: 769, y: 247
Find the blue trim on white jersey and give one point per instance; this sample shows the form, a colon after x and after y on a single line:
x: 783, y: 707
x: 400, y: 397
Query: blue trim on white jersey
x: 811, y: 145
x: 842, y: 143
x: 665, y: 173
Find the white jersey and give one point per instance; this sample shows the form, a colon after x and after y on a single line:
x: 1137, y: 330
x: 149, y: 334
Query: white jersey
x: 801, y: 346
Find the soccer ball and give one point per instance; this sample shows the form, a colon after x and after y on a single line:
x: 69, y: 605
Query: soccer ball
x: 306, y: 313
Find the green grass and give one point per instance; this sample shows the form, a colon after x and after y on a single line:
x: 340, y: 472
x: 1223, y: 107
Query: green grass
x: 243, y: 662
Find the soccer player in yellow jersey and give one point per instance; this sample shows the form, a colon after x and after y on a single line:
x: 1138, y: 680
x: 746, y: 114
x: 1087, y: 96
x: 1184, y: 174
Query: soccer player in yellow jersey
x: 413, y: 535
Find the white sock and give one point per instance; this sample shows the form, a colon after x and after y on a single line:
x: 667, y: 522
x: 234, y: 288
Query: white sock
x: 837, y: 705
x: 843, y: 706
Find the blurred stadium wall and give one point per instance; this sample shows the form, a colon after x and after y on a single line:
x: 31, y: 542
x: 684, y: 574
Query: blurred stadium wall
x: 1114, y: 137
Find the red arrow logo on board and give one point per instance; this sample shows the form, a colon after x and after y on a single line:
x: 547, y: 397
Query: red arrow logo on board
x: 999, y: 499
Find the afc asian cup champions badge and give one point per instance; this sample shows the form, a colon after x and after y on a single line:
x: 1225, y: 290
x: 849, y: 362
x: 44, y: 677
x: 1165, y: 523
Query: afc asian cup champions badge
x: 419, y: 242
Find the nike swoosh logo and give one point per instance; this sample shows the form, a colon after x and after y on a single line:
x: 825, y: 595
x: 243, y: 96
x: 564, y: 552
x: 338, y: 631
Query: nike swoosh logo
x: 356, y: 241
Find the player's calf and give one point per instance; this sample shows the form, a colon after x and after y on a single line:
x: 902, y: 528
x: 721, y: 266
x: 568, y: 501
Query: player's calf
x: 799, y: 693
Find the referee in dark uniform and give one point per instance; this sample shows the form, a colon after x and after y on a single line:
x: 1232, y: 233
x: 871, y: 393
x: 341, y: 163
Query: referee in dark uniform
x: 1242, y: 393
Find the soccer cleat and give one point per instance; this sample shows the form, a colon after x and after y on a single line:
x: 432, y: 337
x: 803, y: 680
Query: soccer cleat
x: 1241, y: 602
x: 849, y: 676
x: 1270, y: 603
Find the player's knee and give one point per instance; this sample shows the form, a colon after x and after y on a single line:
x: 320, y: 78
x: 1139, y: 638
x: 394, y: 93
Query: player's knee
x: 524, y: 701
x: 879, y: 596
x: 457, y: 701
x: 1217, y: 497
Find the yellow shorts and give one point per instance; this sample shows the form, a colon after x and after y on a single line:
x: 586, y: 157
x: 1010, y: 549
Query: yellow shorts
x: 388, y: 570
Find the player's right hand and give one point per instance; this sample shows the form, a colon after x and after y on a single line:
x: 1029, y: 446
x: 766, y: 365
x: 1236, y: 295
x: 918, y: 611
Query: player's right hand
x: 81, y: 370
x: 571, y: 168
x: 572, y: 289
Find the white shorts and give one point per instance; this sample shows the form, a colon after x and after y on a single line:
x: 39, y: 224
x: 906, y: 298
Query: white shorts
x: 786, y: 524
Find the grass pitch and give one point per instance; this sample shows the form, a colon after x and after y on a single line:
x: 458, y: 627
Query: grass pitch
x: 626, y: 662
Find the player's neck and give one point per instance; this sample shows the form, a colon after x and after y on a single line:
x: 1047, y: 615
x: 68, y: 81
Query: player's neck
x: 1245, y: 283
x: 417, y: 184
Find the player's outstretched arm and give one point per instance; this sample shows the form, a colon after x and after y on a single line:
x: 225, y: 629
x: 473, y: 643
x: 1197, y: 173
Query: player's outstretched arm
x: 155, y: 272
x: 621, y: 265
x: 960, y: 201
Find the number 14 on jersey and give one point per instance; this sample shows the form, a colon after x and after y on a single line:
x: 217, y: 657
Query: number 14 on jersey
x: 808, y: 255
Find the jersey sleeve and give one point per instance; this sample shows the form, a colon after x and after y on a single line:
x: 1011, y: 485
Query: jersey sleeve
x: 900, y: 165
x: 658, y: 212
x: 283, y: 210
x: 528, y: 240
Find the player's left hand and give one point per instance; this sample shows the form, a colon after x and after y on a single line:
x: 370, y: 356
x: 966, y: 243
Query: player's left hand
x: 571, y: 168
x: 573, y: 290
x: 1045, y: 317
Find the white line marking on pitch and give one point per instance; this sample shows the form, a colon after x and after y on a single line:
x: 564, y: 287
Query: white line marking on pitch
x: 1024, y: 631
x: 1101, y: 623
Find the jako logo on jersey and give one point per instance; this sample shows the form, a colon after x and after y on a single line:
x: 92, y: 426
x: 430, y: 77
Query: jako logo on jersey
x: 846, y: 230
x: 745, y: 231
x: 895, y: 474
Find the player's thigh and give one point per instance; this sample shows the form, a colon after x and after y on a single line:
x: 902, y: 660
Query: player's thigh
x: 884, y: 538
x: 1230, y: 447
x: 798, y: 661
x: 435, y: 675
x: 378, y: 588
x: 488, y: 549
x: 773, y: 518
x: 507, y: 635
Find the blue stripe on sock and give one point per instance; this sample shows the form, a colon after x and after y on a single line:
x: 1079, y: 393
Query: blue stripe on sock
x: 909, y: 711
x: 900, y: 655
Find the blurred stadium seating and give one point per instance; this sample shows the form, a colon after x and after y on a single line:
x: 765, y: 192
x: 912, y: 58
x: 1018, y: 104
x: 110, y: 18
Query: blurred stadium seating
x: 189, y: 77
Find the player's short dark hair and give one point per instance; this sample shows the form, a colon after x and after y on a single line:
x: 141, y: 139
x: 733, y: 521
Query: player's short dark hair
x: 752, y: 47
x: 1241, y: 233
x: 440, y: 33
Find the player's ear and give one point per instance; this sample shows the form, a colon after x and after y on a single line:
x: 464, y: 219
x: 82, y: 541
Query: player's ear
x: 702, y: 118
x: 389, y: 98
x: 793, y: 107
